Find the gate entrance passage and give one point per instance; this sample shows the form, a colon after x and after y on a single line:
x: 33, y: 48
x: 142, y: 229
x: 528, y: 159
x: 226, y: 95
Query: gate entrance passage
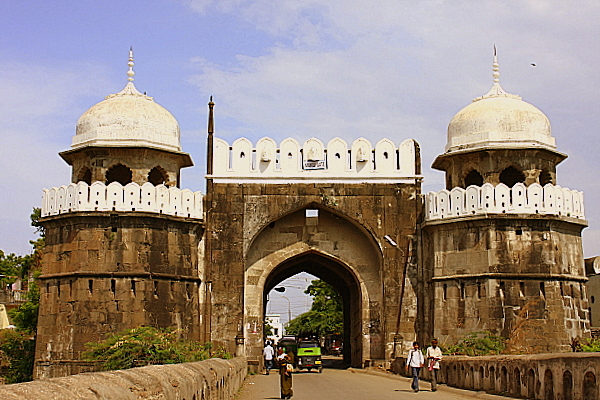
x: 345, y: 283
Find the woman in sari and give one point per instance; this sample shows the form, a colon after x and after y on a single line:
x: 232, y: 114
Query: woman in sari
x: 285, y: 377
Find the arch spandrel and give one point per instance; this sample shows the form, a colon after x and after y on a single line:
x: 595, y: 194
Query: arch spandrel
x: 336, y: 233
x: 266, y: 221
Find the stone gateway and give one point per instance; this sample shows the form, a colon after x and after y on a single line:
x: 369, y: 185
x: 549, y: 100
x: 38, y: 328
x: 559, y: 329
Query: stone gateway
x: 499, y: 249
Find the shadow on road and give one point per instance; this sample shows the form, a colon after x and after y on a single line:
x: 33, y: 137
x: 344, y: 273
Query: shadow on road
x: 334, y: 362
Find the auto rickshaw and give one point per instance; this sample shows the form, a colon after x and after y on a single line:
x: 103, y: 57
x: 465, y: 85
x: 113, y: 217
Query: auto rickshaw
x: 309, y: 355
x: 289, y: 344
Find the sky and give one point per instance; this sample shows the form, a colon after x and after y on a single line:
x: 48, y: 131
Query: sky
x: 292, y: 301
x: 393, y: 69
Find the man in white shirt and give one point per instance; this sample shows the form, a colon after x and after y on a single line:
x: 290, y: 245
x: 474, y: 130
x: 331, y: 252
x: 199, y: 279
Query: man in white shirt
x: 415, y: 361
x: 268, y: 353
x: 434, y: 355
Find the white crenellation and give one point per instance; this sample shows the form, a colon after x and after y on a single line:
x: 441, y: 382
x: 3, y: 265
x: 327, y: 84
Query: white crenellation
x: 520, y: 199
x: 160, y: 199
x: 312, y: 160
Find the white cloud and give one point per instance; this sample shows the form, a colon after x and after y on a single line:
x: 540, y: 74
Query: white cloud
x: 403, y: 69
x: 38, y: 113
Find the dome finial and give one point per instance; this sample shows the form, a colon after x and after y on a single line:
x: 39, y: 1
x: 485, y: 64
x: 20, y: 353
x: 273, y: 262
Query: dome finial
x: 496, y: 90
x: 130, y: 73
x: 496, y: 68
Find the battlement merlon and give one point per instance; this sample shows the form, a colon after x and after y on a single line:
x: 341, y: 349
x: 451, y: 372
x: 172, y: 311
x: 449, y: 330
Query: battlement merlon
x: 313, y: 161
x: 520, y: 199
x: 81, y: 197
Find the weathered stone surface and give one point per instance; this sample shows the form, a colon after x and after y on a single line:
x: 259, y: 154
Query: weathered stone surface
x: 256, y: 240
x: 211, y: 379
x: 142, y: 270
x: 510, y: 275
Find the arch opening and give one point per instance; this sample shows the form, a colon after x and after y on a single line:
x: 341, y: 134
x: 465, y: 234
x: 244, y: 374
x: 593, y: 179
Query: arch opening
x: 590, y: 387
x: 473, y: 178
x: 85, y: 175
x: 511, y: 176
x: 119, y: 173
x: 545, y: 178
x: 331, y: 247
x: 157, y: 176
x: 342, y: 280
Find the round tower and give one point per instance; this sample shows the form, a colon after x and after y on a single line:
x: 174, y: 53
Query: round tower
x: 502, y: 242
x: 122, y: 238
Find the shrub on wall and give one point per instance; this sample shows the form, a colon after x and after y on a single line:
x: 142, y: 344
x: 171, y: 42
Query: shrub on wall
x: 149, y: 346
x: 477, y: 344
x: 589, y: 345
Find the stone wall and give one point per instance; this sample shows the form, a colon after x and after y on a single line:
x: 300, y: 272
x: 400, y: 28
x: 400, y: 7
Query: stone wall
x: 213, y: 379
x: 106, y: 272
x: 567, y: 376
x: 520, y: 277
x: 258, y: 235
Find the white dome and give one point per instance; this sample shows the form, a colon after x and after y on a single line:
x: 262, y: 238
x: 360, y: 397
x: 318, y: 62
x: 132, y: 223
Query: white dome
x: 128, y: 119
x: 499, y: 119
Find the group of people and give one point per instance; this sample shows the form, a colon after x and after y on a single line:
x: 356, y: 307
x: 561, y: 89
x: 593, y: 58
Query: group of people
x: 285, y: 363
x: 415, y: 360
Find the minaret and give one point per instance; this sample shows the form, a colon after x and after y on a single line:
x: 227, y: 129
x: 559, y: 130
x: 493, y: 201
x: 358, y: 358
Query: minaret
x: 122, y: 238
x: 502, y: 241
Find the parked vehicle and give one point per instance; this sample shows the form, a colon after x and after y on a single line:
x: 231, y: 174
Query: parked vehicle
x: 309, y: 355
x: 333, y: 345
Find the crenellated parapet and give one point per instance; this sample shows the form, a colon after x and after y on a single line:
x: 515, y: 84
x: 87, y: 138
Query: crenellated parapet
x: 489, y: 199
x: 313, y: 160
x: 160, y: 199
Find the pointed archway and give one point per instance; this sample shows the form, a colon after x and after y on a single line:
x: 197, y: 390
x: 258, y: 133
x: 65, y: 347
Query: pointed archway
x: 342, y: 279
x: 331, y: 247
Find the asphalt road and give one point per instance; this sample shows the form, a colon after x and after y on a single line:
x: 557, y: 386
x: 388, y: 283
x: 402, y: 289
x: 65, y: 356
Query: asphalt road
x: 341, y: 384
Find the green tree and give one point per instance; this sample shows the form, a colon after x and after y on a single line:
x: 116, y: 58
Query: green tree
x: 148, y: 346
x: 13, y: 267
x: 25, y: 316
x: 325, y: 316
x: 17, y: 349
x: 268, y: 329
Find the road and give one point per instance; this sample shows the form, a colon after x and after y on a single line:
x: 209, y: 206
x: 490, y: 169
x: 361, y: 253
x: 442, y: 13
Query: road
x: 342, y: 384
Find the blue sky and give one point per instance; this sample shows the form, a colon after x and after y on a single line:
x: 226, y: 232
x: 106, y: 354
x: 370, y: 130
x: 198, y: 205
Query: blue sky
x: 283, y: 68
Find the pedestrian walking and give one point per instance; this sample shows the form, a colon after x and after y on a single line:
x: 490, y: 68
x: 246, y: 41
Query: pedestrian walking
x: 268, y: 354
x: 415, y: 361
x: 434, y: 355
x: 285, y: 377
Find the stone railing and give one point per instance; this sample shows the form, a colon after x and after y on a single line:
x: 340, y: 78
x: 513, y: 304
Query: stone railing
x: 566, y: 376
x: 291, y: 161
x: 213, y: 379
x: 115, y: 197
x: 487, y: 199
